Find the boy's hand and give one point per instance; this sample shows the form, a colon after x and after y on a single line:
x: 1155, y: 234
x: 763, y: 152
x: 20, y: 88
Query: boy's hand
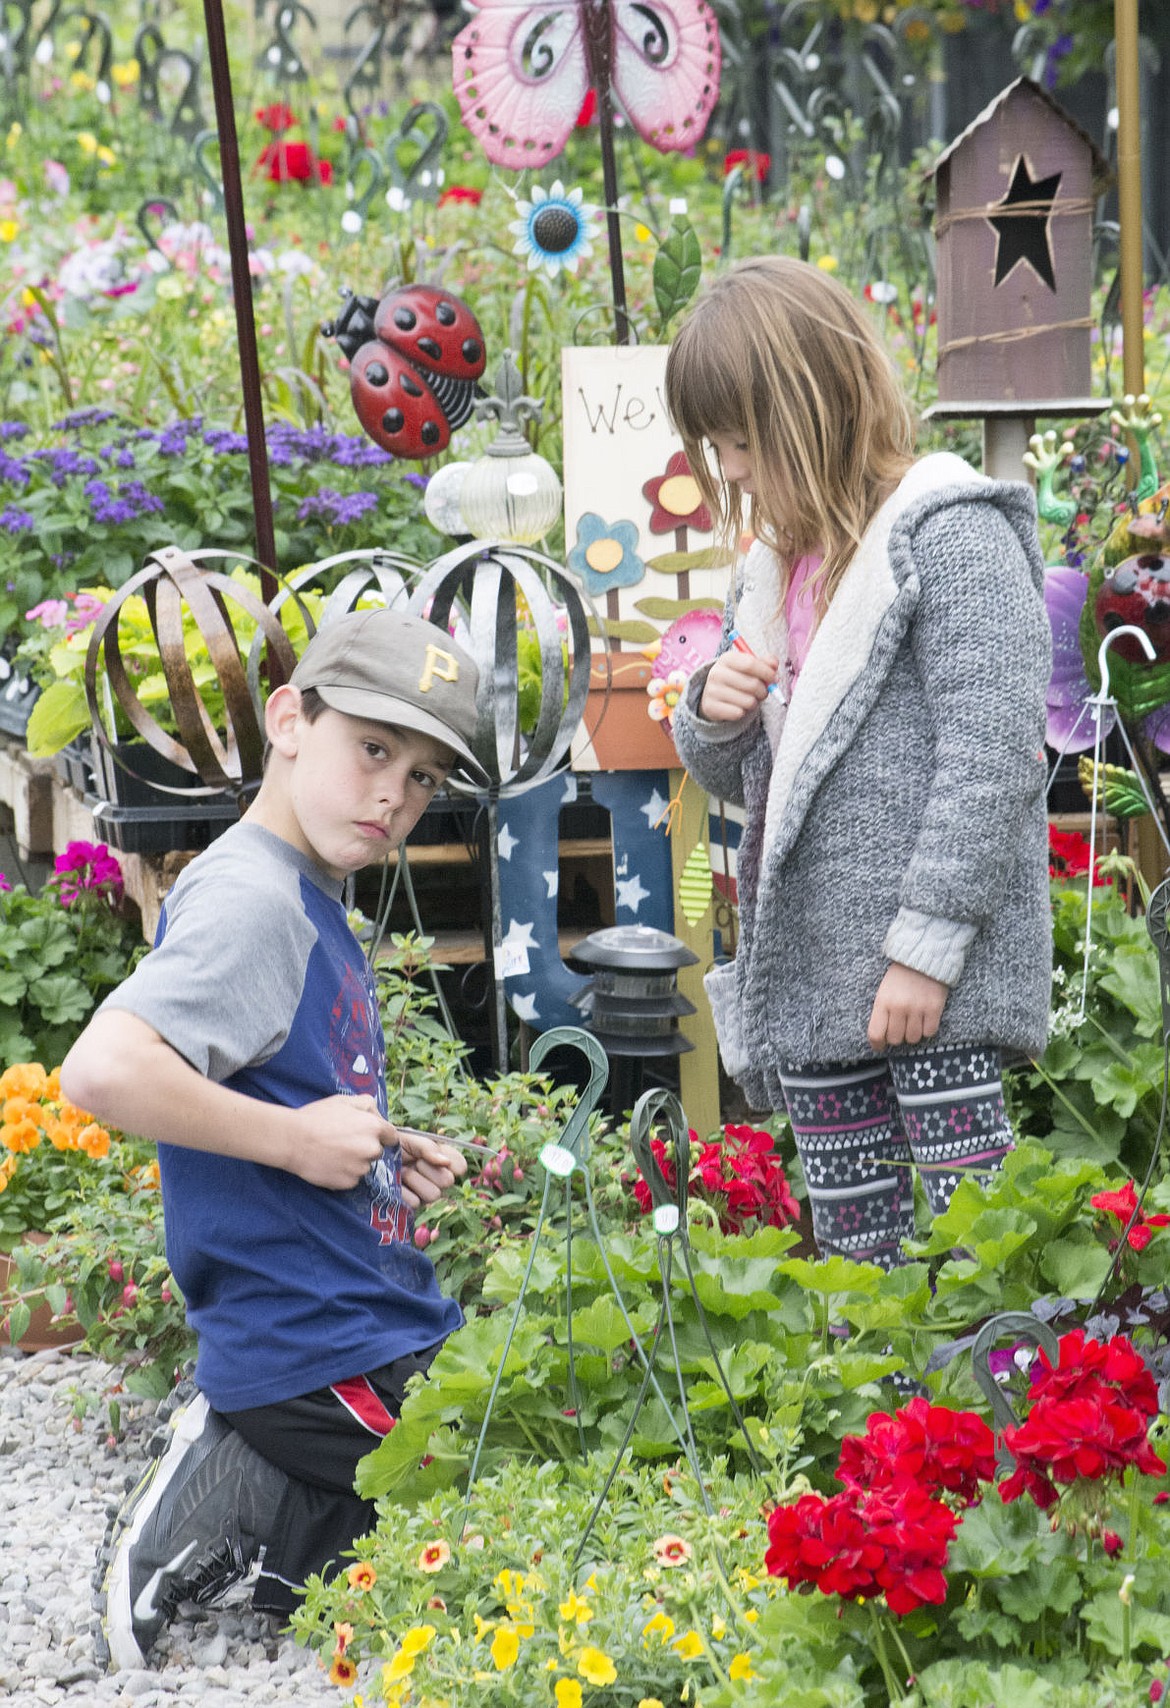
x: 907, y: 1009
x: 429, y: 1167
x: 342, y: 1137
x: 736, y: 684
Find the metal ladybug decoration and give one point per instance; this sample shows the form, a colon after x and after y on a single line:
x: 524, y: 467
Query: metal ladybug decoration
x: 415, y: 357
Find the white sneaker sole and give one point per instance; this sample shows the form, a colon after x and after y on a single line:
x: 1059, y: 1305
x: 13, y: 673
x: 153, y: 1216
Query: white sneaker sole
x: 118, y: 1613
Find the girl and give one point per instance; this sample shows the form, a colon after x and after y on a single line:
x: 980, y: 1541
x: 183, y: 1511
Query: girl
x: 878, y: 708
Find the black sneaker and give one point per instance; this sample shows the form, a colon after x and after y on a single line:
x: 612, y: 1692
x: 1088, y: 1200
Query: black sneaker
x: 190, y: 1529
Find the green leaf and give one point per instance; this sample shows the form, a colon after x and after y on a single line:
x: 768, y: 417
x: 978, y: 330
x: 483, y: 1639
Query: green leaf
x: 601, y: 1324
x: 678, y: 266
x: 681, y: 563
x: 61, y: 998
x: 58, y: 715
x: 1075, y: 1268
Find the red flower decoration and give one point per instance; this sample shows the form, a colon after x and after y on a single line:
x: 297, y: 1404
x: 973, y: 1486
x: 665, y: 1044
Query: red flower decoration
x: 1123, y: 1204
x: 676, y: 499
x: 588, y: 110
x: 285, y: 161
x: 461, y: 193
x: 753, y: 160
x: 277, y: 117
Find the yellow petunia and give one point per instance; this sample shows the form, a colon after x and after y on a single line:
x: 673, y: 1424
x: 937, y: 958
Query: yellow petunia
x: 663, y: 1624
x: 595, y: 1666
x: 651, y: 1702
x: 482, y: 1627
x: 87, y: 142
x: 9, y: 231
x: 827, y: 263
x: 718, y: 1626
x: 741, y: 1667
x: 106, y: 156
x: 576, y: 1609
x: 568, y: 1693
x: 509, y: 1582
x: 417, y: 1639
x: 643, y: 233
x: 752, y: 1614
x: 124, y: 72
x: 82, y: 82
x: 15, y: 132
x: 398, y: 1666
x: 689, y: 1646
x: 505, y: 1648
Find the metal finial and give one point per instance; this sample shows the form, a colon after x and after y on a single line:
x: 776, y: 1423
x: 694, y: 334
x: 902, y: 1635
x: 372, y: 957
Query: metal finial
x: 510, y: 408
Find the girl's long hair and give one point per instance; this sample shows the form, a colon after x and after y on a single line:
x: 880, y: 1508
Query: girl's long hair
x: 778, y: 354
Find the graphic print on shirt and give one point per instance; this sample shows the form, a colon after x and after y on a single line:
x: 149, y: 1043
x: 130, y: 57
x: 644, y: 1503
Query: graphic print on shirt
x: 357, y: 1052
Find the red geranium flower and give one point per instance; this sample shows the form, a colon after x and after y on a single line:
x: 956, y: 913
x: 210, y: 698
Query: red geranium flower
x: 753, y: 160
x: 858, y: 1544
x: 284, y: 161
x: 276, y: 117
x: 1068, y: 856
x: 461, y: 193
x: 1123, y: 1205
x: 929, y: 1446
x: 741, y: 1176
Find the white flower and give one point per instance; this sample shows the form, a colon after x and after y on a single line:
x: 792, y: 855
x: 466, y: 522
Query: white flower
x: 553, y: 229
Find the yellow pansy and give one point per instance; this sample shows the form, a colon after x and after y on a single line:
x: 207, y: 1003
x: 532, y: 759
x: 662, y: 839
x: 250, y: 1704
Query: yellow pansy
x: 689, y: 1646
x: 741, y: 1667
x: 595, y: 1666
x: 576, y: 1609
x: 568, y: 1693
x: 417, y: 1639
x: 661, y: 1623
x: 505, y: 1647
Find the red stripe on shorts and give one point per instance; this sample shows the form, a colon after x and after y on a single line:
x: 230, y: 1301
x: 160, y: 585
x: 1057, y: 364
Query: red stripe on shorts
x: 359, y: 1398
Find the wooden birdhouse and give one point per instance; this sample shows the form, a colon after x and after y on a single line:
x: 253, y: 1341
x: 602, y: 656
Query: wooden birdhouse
x: 1014, y: 213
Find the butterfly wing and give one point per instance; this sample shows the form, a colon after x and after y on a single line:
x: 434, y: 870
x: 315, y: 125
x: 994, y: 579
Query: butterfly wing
x: 520, y: 76
x: 1070, y: 724
x: 666, y: 62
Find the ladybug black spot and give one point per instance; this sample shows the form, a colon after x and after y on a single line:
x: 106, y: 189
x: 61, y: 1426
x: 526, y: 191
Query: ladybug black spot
x: 432, y: 348
x: 445, y: 313
x: 430, y: 433
x: 376, y: 373
x: 405, y: 319
x: 392, y: 421
x: 409, y: 386
x: 472, y: 349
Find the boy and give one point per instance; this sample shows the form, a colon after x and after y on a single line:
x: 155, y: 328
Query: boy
x: 248, y: 1045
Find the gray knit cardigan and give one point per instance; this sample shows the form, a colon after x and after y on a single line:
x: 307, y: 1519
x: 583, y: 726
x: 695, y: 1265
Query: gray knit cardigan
x: 895, y: 809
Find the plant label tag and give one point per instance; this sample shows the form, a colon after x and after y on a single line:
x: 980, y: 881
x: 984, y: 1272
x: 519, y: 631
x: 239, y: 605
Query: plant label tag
x: 511, y: 960
x: 557, y: 1160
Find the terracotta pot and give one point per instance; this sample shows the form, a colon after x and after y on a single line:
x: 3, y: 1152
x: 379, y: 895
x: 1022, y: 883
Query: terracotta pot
x: 42, y: 1333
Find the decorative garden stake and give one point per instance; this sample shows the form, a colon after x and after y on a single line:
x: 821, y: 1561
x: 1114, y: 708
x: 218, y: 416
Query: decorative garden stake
x: 1023, y: 1326
x: 511, y: 493
x: 414, y: 359
x: 171, y: 580
x: 521, y: 73
x: 561, y: 1160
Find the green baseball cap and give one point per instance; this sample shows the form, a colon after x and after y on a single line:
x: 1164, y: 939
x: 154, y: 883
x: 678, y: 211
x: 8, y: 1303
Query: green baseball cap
x: 394, y: 668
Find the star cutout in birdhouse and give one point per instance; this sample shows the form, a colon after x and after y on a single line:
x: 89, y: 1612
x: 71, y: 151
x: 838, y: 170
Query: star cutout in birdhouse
x: 1022, y: 228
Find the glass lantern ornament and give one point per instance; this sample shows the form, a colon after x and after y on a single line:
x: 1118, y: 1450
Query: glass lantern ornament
x: 442, y: 499
x: 510, y: 493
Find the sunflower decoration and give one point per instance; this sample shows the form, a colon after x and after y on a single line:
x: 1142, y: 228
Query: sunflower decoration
x: 554, y: 229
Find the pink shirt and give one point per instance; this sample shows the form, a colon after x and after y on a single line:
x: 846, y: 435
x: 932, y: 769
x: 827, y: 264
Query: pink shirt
x: 801, y: 614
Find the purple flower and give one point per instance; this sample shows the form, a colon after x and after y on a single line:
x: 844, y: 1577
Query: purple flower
x: 15, y: 521
x: 92, y: 417
x: 13, y: 430
x: 13, y: 471
x: 63, y: 464
x: 4, y: 884
x: 132, y: 501
x: 220, y: 440
x: 87, y: 866
x: 337, y: 508
x: 172, y: 440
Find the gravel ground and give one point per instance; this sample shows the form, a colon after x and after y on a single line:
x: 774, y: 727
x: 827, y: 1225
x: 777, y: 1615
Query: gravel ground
x: 60, y: 1478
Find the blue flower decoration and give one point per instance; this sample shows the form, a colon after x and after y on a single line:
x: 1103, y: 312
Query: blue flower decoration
x: 606, y: 554
x: 553, y: 229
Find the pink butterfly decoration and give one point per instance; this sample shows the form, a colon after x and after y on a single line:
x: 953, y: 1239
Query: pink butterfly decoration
x: 522, y: 70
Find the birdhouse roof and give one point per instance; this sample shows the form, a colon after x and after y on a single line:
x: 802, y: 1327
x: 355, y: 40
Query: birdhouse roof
x: 1102, y: 173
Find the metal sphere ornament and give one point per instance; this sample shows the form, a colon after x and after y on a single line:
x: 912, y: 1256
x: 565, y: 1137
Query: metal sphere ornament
x: 414, y: 356
x: 441, y: 500
x: 511, y: 493
x: 173, y: 581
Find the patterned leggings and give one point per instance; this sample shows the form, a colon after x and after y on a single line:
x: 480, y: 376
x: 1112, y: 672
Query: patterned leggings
x: 860, y: 1126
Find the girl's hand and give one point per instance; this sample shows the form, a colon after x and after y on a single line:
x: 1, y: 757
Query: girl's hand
x: 736, y: 684
x: 907, y: 1008
x: 429, y: 1167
